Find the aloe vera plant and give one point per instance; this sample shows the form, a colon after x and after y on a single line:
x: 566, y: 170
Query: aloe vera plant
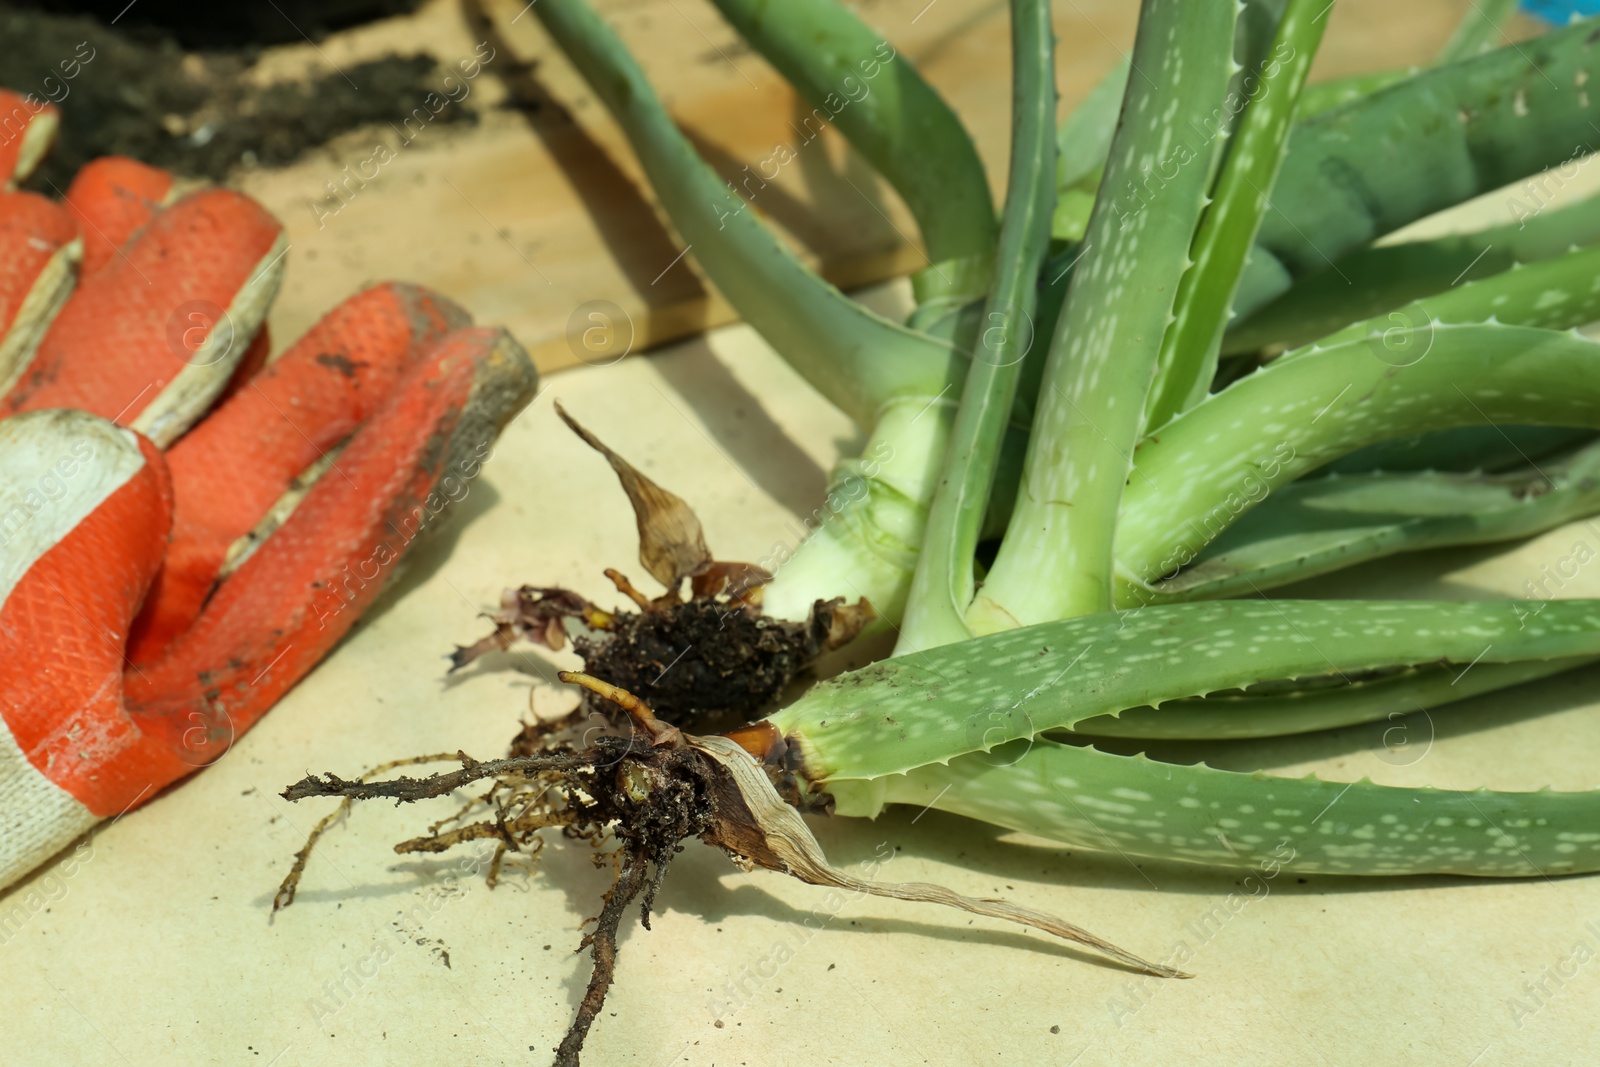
x: 1143, y: 468
x: 1142, y: 393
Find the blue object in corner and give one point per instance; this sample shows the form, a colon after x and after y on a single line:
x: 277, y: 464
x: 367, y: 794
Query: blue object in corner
x: 1561, y: 12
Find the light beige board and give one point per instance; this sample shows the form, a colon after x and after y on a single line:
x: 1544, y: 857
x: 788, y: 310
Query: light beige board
x: 151, y: 946
x: 540, y: 219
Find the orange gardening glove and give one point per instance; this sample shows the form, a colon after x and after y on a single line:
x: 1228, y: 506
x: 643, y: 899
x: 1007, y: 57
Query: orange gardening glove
x: 163, y: 581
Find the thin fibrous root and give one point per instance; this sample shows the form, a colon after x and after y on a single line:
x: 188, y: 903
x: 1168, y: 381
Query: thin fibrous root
x: 649, y: 793
x: 406, y: 790
x: 501, y: 829
x: 291, y: 882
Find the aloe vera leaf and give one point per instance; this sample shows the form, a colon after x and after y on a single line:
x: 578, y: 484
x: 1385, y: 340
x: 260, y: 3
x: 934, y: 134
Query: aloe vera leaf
x: 1082, y: 144
x: 1561, y: 290
x: 1196, y: 814
x: 1084, y: 139
x: 1465, y: 449
x: 1318, y: 97
x: 1325, y: 524
x: 1479, y: 29
x: 1296, y: 708
x: 935, y: 705
x: 854, y: 79
x: 1188, y: 359
x: 1056, y: 557
x: 1305, y: 410
x: 1363, y: 170
x: 1375, y: 280
x: 943, y: 583
x: 855, y: 358
x: 1557, y: 293
x: 863, y: 543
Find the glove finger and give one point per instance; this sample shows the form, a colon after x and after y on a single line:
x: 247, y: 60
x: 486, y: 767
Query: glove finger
x: 292, y: 601
x: 84, y: 511
x: 113, y: 198
x: 27, y: 130
x: 230, y: 470
x: 151, y: 338
x: 39, y: 247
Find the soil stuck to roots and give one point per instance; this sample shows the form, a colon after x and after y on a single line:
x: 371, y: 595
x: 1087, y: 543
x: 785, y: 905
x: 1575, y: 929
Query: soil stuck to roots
x: 648, y: 793
x: 706, y: 664
x: 701, y: 665
x: 139, y: 93
x: 710, y: 663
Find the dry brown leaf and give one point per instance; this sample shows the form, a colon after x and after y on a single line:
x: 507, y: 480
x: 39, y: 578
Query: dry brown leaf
x: 771, y: 834
x: 672, y: 545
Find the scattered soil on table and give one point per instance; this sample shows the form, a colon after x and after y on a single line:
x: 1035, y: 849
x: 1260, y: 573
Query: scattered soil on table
x: 139, y: 93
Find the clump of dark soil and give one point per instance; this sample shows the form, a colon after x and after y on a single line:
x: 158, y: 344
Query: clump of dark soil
x: 703, y: 665
x: 707, y: 663
x: 140, y: 93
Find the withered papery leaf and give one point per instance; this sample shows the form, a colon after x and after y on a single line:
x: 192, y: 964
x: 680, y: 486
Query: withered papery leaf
x: 672, y: 545
x: 753, y: 823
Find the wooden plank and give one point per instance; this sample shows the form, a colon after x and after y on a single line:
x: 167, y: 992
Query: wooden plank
x: 538, y: 218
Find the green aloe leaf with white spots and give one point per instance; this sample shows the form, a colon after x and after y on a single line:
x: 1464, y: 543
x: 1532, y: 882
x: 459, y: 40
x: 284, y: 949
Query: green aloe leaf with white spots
x: 1197, y: 814
x: 958, y: 727
x: 940, y: 703
x: 1379, y: 279
x: 1316, y: 526
x: 1304, y: 410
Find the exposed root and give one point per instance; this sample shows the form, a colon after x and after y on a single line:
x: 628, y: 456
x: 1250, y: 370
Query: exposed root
x: 291, y: 882
x: 407, y: 790
x: 603, y: 950
x: 648, y: 792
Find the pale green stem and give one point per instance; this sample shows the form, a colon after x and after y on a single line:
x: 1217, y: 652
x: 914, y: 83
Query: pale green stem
x: 863, y: 542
